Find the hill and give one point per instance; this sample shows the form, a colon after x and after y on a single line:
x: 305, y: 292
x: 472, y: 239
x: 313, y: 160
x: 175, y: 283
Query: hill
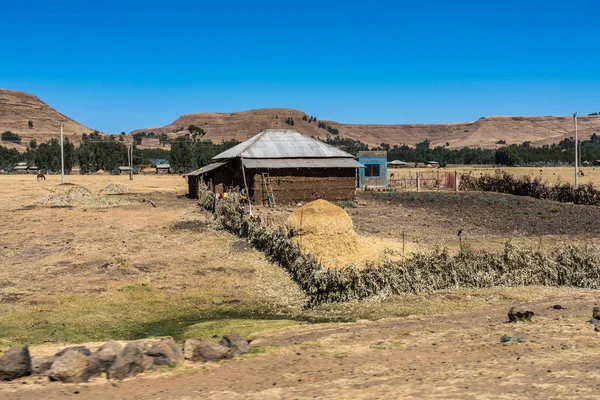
x: 18, y: 108
x: 485, y: 132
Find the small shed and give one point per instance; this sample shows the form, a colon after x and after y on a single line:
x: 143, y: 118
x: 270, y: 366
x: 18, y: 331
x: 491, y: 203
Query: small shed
x: 163, y: 169
x: 397, y: 164
x: 596, y: 162
x: 375, y: 172
x: 21, y: 168
x: 432, y: 164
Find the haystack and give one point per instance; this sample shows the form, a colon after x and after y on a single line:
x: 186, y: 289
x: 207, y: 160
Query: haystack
x: 325, y: 230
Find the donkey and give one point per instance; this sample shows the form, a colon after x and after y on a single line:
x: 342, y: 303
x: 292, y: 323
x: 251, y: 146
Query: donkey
x: 41, y: 176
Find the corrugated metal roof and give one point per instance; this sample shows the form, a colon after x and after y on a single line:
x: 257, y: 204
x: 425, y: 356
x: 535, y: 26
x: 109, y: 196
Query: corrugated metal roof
x: 275, y: 143
x: 163, y: 166
x: 302, y: 163
x: 397, y: 162
x: 206, y: 168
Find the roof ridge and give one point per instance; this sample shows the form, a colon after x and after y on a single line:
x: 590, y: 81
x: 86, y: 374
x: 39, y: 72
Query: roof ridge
x: 253, y: 143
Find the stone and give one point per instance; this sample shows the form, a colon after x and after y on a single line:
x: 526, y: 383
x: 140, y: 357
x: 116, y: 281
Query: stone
x: 39, y: 365
x: 73, y: 367
x: 235, y: 343
x: 82, y: 349
x: 107, y: 354
x: 131, y: 361
x: 205, y: 350
x: 15, y: 363
x: 519, y: 314
x: 166, y: 352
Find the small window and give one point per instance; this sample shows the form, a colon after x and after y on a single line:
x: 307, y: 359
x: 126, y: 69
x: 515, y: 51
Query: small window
x: 372, y: 170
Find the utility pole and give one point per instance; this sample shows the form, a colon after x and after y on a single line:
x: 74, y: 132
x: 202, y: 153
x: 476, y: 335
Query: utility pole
x: 576, y: 157
x: 130, y: 157
x: 62, y: 156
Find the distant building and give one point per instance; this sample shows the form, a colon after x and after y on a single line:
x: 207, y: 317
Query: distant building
x: 432, y: 164
x: 21, y: 168
x: 397, y: 164
x: 281, y: 166
x: 163, y: 169
x: 154, y: 162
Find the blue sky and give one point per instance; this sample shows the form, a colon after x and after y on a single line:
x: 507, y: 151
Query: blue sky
x: 121, y: 65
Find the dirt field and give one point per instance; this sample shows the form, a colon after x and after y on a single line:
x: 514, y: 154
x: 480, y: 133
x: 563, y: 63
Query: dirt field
x: 110, y: 265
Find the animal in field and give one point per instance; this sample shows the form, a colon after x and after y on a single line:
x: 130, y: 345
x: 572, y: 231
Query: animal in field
x: 581, y: 173
x: 391, y: 176
x: 41, y: 176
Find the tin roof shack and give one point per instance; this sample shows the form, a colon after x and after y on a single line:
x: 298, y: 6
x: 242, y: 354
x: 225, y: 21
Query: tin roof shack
x: 163, y: 169
x: 375, y: 172
x: 397, y: 164
x: 21, y: 168
x: 284, y: 165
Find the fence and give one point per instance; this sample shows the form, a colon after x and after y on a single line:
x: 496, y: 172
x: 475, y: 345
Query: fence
x: 424, y: 180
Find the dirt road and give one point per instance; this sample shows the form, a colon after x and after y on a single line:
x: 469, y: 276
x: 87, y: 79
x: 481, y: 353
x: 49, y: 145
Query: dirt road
x: 450, y: 356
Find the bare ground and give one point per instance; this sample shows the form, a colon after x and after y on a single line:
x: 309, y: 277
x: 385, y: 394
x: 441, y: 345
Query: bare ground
x: 457, y: 355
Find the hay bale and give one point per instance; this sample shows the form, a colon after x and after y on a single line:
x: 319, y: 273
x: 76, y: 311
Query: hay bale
x: 325, y: 230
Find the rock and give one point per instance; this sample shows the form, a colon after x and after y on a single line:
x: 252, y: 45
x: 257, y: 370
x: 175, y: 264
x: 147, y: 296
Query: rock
x: 73, y: 367
x: 39, y: 365
x: 235, y: 343
x: 166, y: 352
x: 596, y: 312
x: 15, y: 363
x: 131, y: 361
x: 558, y: 307
x: 205, y: 350
x: 107, y: 354
x: 519, y: 314
x: 82, y: 349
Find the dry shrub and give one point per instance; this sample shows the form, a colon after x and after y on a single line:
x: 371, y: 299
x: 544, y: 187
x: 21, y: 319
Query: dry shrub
x: 525, y: 186
x: 573, y: 266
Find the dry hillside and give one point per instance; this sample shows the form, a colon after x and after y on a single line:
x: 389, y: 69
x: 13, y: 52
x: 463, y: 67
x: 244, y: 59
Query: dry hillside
x: 484, y: 132
x: 18, y: 108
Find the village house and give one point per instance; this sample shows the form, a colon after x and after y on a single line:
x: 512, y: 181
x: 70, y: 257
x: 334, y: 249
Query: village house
x: 375, y: 173
x: 281, y: 166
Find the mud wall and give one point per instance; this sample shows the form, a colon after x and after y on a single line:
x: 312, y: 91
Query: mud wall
x: 287, y: 189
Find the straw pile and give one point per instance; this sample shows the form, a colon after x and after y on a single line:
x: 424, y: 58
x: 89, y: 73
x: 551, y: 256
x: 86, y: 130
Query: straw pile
x: 114, y: 188
x: 325, y: 230
x: 74, y: 195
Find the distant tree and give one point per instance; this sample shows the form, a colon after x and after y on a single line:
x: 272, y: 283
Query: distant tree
x: 507, y: 156
x: 196, y: 131
x: 304, y: 117
x: 447, y: 144
x: 122, y: 133
x: 30, y: 124
x: 8, y: 136
x: 32, y: 144
x: 501, y: 141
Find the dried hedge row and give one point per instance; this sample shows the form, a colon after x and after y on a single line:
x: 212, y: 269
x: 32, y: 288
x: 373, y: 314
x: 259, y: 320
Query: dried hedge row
x: 525, y: 186
x: 436, y: 270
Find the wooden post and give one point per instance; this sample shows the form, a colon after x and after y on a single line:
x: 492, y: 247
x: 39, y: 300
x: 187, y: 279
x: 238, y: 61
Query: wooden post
x: 418, y: 182
x: 456, y: 181
x: 403, y: 244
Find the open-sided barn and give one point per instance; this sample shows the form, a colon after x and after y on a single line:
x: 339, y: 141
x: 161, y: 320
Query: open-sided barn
x: 283, y: 165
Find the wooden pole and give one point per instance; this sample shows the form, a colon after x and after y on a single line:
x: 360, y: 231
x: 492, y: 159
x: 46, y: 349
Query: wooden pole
x: 418, y: 182
x: 403, y: 242
x: 246, y: 185
x: 62, y: 156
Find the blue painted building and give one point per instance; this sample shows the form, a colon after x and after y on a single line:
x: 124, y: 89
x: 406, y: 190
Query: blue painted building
x: 375, y: 173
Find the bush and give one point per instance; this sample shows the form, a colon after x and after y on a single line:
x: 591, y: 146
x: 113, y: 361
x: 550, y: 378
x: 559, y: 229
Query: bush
x: 525, y: 186
x: 424, y: 272
x: 8, y: 136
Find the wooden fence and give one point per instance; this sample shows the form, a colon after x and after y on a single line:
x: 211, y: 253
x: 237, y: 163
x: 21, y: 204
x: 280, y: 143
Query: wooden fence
x: 424, y: 180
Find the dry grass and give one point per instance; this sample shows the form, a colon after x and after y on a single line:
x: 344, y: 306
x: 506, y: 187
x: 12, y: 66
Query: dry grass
x: 90, y: 272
